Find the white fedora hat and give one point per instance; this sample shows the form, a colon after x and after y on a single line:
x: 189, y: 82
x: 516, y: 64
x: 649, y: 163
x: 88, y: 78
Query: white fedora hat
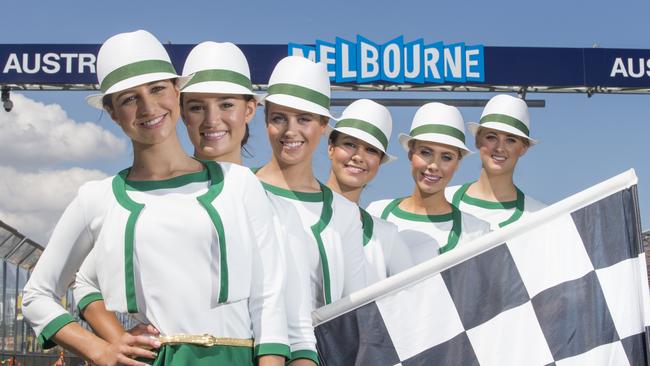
x: 368, y: 121
x: 437, y: 122
x: 505, y: 113
x: 218, y: 68
x: 130, y: 59
x: 299, y: 83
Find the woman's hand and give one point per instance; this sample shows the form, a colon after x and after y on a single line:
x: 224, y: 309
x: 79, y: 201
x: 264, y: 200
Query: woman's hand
x: 143, y: 329
x: 124, y: 350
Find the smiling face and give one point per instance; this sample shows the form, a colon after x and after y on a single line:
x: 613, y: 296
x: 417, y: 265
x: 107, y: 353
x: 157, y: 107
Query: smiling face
x: 499, y: 150
x: 432, y: 165
x: 146, y: 113
x: 294, y: 134
x: 354, y: 162
x: 216, y: 124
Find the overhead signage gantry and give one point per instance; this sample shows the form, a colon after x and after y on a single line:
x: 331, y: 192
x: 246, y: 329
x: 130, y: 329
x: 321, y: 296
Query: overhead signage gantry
x: 363, y: 65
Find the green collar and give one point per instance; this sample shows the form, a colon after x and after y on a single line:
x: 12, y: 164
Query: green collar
x: 295, y: 195
x: 518, y: 204
x: 171, y: 183
x: 455, y: 216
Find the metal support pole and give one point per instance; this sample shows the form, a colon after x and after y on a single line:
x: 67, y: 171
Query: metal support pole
x: 399, y: 102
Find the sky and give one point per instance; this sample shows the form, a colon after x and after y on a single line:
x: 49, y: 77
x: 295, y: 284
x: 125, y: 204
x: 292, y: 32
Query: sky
x: 53, y: 141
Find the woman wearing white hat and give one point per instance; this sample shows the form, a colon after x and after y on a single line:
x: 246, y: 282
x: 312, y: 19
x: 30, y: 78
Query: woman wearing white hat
x: 297, y: 112
x: 185, y: 246
x: 216, y: 105
x: 427, y: 222
x: 502, y: 137
x: 357, y: 147
x: 218, y: 102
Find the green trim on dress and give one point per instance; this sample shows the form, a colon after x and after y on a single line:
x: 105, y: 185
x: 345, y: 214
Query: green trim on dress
x: 276, y: 349
x: 87, y: 300
x: 304, y: 354
x: 367, y: 225
x: 193, y: 355
x: 518, y: 204
x: 294, y: 195
x: 216, y: 186
x: 171, y: 183
x: 45, y: 338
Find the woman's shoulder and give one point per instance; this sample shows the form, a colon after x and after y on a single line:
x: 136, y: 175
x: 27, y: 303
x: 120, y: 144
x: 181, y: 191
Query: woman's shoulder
x: 376, y: 208
x: 450, y: 191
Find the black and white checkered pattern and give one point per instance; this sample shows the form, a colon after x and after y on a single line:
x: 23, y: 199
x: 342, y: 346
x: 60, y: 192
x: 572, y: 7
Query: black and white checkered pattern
x: 572, y: 291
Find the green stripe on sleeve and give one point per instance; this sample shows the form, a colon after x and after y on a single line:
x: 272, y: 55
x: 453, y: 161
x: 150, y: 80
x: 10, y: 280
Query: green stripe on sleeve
x: 510, y: 121
x: 364, y: 126
x: 45, y: 338
x: 305, y: 354
x: 277, y: 349
x: 135, y: 69
x: 301, y: 92
x: 87, y: 300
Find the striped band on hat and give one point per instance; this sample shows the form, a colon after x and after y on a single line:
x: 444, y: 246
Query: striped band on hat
x: 301, y: 92
x: 221, y: 75
x: 510, y: 121
x: 441, y: 129
x: 365, y: 127
x: 135, y: 69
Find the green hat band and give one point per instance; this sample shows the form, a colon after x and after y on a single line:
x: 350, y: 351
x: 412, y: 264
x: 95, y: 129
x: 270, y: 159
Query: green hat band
x: 135, y: 69
x: 510, y: 121
x: 220, y: 75
x: 367, y: 127
x: 302, y: 93
x: 441, y: 129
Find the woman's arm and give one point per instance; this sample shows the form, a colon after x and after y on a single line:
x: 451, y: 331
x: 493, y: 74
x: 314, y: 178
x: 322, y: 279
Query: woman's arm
x: 104, y: 323
x: 266, y: 301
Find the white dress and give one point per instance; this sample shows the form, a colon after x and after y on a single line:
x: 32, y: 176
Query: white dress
x: 497, y: 214
x: 193, y: 254
x: 334, y: 257
x: 427, y: 236
x: 385, y: 251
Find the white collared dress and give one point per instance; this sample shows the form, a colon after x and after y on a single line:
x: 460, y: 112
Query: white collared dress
x: 193, y: 254
x: 334, y: 258
x: 497, y: 214
x: 427, y: 236
x: 385, y: 251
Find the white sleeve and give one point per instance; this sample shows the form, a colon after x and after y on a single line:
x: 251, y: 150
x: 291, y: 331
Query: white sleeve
x: 302, y: 340
x: 399, y: 258
x: 86, y: 286
x: 266, y: 301
x: 376, y: 208
x: 68, y: 246
x: 354, y: 258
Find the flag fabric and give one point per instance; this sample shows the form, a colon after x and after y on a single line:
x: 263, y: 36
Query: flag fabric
x: 566, y: 286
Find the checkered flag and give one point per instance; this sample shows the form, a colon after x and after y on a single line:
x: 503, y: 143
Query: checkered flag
x: 565, y: 286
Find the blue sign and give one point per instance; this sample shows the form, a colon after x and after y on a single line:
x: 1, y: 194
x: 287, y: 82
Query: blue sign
x: 396, y: 61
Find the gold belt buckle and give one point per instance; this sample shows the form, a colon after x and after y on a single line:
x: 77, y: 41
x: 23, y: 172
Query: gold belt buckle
x: 205, y: 340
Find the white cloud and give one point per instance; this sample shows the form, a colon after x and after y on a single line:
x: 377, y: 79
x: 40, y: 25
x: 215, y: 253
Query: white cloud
x: 31, y: 202
x: 35, y: 134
